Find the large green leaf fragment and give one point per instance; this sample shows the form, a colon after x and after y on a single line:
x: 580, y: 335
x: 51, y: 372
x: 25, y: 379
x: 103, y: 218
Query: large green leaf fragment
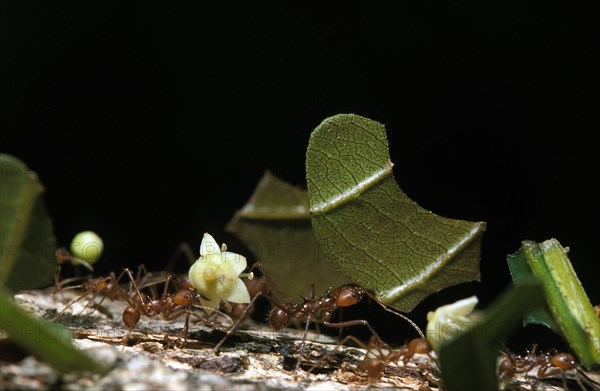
x: 27, y: 243
x: 567, y: 306
x: 469, y: 361
x: 48, y: 341
x: 370, y: 230
x: 275, y: 225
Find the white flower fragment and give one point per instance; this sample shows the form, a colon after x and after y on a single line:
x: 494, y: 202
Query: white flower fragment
x: 448, y: 322
x: 216, y: 275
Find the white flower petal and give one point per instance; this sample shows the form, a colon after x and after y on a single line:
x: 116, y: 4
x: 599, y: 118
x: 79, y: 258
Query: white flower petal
x: 237, y: 262
x: 239, y: 293
x: 208, y: 246
x: 210, y: 305
x: 195, y: 274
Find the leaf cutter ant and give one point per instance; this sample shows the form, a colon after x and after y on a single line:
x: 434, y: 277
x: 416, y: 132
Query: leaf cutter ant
x: 312, y: 309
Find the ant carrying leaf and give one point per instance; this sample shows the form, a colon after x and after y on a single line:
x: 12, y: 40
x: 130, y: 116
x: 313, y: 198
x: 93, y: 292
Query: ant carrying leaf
x: 312, y: 309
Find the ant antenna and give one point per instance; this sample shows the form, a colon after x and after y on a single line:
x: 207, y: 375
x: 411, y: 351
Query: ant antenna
x: 182, y: 249
x: 397, y: 313
x: 276, y: 291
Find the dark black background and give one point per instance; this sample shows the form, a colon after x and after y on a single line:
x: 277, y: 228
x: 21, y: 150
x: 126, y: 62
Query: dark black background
x: 151, y: 123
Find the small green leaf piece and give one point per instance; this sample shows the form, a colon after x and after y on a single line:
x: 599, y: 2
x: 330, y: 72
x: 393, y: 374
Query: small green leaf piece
x: 520, y: 272
x: 567, y: 303
x: 469, y: 361
x: 27, y: 242
x: 370, y: 230
x: 48, y: 341
x: 275, y: 225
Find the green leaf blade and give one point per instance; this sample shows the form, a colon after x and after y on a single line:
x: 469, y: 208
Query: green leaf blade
x: 370, y: 229
x: 48, y: 341
x: 275, y: 225
x: 27, y: 242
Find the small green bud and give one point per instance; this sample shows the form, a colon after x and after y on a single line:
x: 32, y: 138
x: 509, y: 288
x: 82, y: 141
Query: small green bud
x: 87, y: 246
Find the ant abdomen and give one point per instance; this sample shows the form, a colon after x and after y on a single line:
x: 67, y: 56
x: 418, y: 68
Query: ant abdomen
x: 507, y: 369
x: 347, y: 295
x: 563, y: 361
x: 278, y: 319
x: 374, y: 368
x: 131, y: 317
x: 238, y: 311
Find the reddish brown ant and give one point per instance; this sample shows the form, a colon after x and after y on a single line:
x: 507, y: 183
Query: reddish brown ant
x: 379, y: 357
x: 549, y: 365
x: 170, y: 306
x: 375, y: 366
x: 108, y: 287
x: 312, y: 309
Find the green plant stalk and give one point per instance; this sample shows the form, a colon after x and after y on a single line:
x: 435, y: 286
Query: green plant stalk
x: 521, y: 272
x: 48, y: 341
x: 567, y: 301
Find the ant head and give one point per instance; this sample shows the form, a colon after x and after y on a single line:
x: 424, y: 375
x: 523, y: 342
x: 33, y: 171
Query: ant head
x: 347, y: 295
x: 183, y: 297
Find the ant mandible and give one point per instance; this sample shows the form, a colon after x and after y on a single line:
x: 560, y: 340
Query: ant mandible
x: 316, y: 310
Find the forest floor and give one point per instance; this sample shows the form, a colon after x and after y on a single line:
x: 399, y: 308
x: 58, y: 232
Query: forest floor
x: 252, y: 358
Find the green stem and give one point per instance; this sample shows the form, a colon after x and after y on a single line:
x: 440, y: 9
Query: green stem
x: 568, y: 302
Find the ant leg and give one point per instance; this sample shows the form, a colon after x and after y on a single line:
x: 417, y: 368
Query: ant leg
x: 341, y: 319
x: 356, y: 322
x: 580, y: 372
x: 301, y: 350
x: 186, y: 326
x: 338, y: 346
x: 133, y: 285
x: 57, y: 282
x: 311, y: 298
x: 59, y: 285
x: 238, y: 321
x: 166, y: 288
x: 142, y: 307
x: 82, y: 296
x: 116, y: 287
x: 141, y: 272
